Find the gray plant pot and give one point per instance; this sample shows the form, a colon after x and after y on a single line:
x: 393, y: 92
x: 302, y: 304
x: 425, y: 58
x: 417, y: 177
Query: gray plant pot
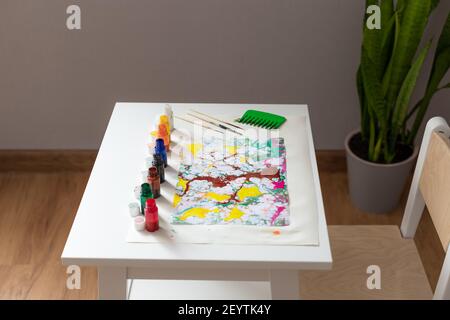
x: 376, y: 188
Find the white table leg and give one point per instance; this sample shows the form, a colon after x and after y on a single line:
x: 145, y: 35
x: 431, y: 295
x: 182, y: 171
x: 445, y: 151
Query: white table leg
x: 284, y: 284
x: 112, y: 283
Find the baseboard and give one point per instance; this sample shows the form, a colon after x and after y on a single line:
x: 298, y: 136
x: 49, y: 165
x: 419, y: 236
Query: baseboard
x: 47, y: 160
x: 83, y: 160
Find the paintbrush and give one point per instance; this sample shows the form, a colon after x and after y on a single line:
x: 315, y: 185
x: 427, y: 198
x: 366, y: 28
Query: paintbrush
x: 221, y: 126
x: 196, y: 124
x: 219, y: 120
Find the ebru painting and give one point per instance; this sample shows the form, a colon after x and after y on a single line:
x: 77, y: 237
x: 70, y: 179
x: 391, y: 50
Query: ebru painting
x: 242, y: 182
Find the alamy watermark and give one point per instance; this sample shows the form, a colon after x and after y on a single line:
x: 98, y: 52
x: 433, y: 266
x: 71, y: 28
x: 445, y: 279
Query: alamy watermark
x: 73, y: 20
x: 373, y: 21
x: 374, y: 280
x: 74, y: 277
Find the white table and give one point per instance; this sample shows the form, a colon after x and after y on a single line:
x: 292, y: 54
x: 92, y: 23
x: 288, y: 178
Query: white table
x: 97, y: 237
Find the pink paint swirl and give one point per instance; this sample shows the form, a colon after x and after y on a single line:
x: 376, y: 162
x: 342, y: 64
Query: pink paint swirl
x: 278, y: 184
x: 277, y: 214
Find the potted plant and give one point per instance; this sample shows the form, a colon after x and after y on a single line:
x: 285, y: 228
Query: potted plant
x: 381, y: 154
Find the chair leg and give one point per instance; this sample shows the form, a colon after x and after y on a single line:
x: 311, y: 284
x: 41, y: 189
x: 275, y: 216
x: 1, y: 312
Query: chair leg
x: 442, y: 291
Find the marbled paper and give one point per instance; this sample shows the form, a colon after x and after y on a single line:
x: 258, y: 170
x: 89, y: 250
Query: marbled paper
x: 238, y: 182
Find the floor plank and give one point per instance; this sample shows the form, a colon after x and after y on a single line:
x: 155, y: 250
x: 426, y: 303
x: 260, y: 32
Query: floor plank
x: 38, y: 208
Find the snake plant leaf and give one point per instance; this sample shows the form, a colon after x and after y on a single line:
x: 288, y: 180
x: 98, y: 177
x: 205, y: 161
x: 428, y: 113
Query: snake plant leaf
x: 403, y: 100
x: 441, y: 65
x: 372, y: 40
x: 401, y: 4
x: 387, y: 11
x: 412, y: 26
x: 363, y: 105
x: 388, y: 73
x: 400, y: 8
x: 372, y: 87
x: 387, y: 27
x: 360, y: 87
x: 444, y: 39
x: 440, y: 68
x: 388, y: 42
x: 447, y: 86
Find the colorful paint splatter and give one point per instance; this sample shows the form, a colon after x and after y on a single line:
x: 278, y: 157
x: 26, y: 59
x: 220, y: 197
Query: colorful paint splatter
x: 239, y: 183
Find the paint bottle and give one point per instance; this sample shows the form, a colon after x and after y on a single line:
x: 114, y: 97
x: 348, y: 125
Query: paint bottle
x: 151, y: 216
x: 154, y: 182
x: 161, y: 149
x: 164, y: 119
x: 159, y: 164
x: 169, y: 113
x: 163, y: 134
x: 146, y: 193
x: 134, y: 209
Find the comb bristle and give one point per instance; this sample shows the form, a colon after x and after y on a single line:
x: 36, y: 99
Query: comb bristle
x: 262, y: 119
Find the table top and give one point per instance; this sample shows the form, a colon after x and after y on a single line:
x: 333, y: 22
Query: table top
x: 100, y: 227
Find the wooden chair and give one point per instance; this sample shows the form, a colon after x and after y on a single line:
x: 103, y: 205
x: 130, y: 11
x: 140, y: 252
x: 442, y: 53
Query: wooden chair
x: 358, y: 251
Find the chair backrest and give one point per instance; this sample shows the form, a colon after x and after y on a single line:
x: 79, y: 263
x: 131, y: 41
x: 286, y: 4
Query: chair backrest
x: 431, y: 187
x: 435, y: 184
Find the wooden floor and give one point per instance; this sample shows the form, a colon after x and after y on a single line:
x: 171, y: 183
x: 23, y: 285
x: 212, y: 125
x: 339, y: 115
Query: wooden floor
x: 38, y: 206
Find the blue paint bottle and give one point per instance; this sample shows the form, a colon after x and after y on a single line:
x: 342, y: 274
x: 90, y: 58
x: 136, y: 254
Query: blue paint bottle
x: 161, y: 149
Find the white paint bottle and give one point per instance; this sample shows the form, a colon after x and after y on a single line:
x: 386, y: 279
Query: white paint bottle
x: 169, y: 113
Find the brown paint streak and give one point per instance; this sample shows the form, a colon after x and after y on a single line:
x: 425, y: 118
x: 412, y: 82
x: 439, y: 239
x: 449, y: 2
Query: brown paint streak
x: 221, y: 182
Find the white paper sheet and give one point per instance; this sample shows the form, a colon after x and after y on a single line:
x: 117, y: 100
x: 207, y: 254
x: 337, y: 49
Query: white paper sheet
x: 303, y: 228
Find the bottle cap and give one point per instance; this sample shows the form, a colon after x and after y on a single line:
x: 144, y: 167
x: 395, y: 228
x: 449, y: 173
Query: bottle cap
x: 145, y: 189
x: 150, y: 203
x: 139, y: 223
x: 153, y: 172
x: 149, y: 161
x: 165, y: 120
x: 134, y: 209
x: 159, y: 146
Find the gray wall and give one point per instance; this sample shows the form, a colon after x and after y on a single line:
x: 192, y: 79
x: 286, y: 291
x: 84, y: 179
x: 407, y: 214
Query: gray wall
x: 58, y: 87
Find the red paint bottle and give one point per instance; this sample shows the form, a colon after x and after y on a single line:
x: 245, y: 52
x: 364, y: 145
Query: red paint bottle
x: 151, y: 216
x: 154, y: 181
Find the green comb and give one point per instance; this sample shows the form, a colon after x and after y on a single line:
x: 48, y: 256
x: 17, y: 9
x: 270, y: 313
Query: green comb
x: 262, y: 119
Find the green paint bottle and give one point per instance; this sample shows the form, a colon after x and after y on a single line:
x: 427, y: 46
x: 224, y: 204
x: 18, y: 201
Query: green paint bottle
x: 146, y: 193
